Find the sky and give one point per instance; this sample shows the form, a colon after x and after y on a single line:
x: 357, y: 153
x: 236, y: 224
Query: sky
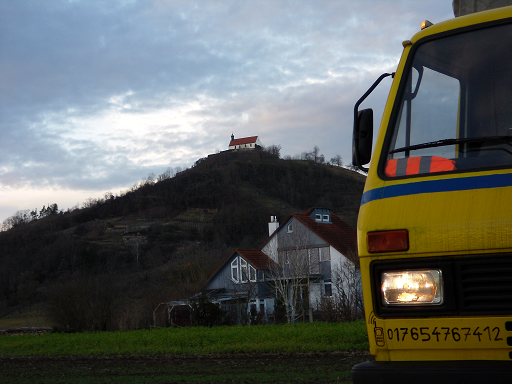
x: 96, y: 95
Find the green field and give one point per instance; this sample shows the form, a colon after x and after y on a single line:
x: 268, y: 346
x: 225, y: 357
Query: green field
x: 298, y: 338
x: 302, y: 353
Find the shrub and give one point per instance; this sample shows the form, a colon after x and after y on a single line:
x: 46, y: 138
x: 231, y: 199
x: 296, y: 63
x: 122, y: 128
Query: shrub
x: 85, y: 303
x: 206, y: 313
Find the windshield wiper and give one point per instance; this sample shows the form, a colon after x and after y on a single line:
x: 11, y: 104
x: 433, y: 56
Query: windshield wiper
x: 445, y: 142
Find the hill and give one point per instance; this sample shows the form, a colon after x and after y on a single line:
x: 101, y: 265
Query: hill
x: 122, y: 255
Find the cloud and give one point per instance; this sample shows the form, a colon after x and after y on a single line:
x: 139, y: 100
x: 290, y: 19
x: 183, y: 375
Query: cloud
x: 95, y: 95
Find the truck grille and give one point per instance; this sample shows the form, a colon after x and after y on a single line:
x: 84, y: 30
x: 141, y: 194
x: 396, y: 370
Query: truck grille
x: 485, y: 284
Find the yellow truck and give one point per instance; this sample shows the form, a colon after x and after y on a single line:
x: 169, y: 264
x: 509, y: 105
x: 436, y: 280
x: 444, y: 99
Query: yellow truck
x: 435, y: 222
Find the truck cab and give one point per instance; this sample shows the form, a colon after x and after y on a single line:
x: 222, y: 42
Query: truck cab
x: 435, y: 222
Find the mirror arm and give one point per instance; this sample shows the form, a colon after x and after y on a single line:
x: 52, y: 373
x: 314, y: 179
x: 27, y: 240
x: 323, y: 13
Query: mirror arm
x: 356, y: 107
x: 370, y: 90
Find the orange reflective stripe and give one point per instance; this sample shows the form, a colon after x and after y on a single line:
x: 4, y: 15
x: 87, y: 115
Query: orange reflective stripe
x: 418, y: 165
x: 413, y: 166
x: 391, y: 168
x: 440, y: 164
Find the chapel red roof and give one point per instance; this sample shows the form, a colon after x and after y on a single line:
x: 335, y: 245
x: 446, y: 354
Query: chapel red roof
x: 244, y: 140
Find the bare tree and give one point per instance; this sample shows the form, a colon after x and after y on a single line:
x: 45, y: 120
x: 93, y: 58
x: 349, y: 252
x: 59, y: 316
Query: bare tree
x: 135, y: 242
x: 90, y: 202
x: 347, y: 297
x: 336, y: 160
x: 108, y: 196
x: 149, y: 180
x: 243, y: 295
x: 308, y: 156
x: 316, y: 154
x: 274, y: 150
x: 19, y: 218
x: 169, y: 173
x: 291, y: 276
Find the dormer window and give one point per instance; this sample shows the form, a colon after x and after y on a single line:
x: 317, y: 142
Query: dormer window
x: 234, y: 270
x: 242, y: 271
x: 321, y: 216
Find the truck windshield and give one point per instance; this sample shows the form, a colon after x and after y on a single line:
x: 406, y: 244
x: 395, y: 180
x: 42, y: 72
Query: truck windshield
x: 455, y: 112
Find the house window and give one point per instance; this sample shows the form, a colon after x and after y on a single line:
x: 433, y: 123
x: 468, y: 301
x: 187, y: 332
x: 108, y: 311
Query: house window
x: 328, y: 289
x: 318, y: 217
x: 243, y: 270
x: 252, y: 273
x: 234, y: 270
x: 290, y: 228
x: 326, y: 218
x: 324, y: 253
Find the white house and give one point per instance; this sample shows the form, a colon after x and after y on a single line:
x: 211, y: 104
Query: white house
x: 244, y: 143
x: 317, y: 256
x: 307, y: 258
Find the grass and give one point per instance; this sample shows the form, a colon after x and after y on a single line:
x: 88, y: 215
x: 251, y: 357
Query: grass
x: 265, y: 339
x: 304, y: 353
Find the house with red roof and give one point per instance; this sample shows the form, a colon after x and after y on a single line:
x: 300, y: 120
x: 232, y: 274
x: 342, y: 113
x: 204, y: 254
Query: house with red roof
x: 307, y: 258
x: 317, y: 252
x: 251, y: 142
x: 240, y: 285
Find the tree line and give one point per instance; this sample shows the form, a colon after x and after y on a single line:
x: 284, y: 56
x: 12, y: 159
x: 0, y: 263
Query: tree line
x: 25, y: 216
x: 51, y: 248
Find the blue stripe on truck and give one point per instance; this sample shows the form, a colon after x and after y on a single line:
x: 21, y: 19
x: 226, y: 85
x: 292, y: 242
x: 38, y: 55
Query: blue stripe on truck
x: 434, y: 186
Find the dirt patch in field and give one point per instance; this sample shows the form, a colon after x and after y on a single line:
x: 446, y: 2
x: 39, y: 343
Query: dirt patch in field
x: 250, y: 369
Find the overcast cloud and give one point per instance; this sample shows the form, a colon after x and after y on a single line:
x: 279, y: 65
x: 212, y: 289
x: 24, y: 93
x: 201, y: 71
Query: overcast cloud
x: 95, y: 95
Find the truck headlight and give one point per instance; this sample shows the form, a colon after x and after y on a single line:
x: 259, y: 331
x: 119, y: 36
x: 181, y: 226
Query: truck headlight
x: 412, y: 287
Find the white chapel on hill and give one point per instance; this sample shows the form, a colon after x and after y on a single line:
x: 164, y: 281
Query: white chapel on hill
x: 244, y: 143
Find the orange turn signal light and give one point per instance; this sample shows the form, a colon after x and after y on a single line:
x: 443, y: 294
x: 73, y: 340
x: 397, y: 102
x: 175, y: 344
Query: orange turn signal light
x: 426, y: 24
x: 388, y: 241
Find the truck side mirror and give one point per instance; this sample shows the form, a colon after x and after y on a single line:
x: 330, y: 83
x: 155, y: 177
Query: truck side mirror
x: 362, y: 138
x: 363, y: 129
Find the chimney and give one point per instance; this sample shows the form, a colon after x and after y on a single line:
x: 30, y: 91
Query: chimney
x: 273, y: 225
